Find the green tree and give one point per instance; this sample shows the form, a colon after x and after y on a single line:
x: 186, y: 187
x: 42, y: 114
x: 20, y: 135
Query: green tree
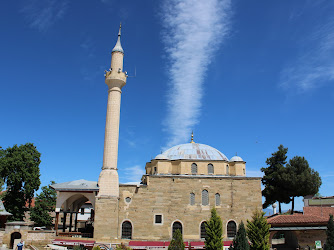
x: 258, y: 232
x: 300, y: 179
x: 274, y: 189
x: 45, y: 203
x: 19, y: 168
x: 122, y: 247
x: 214, y: 231
x: 177, y: 241
x: 240, y: 241
x: 330, y: 234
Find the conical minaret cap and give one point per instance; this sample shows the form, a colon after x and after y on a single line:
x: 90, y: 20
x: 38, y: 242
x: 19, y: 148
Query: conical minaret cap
x: 118, y: 46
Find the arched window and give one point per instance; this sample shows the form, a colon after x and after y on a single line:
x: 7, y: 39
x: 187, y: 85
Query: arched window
x: 231, y: 229
x: 192, y: 199
x: 217, y: 198
x: 203, y: 230
x: 126, y: 230
x: 227, y: 170
x: 210, y: 169
x: 205, y: 197
x: 177, y: 225
x: 194, y: 168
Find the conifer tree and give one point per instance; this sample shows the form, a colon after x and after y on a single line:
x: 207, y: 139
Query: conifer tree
x: 258, y: 232
x: 240, y: 241
x: 214, y: 232
x: 330, y: 234
x: 177, y: 241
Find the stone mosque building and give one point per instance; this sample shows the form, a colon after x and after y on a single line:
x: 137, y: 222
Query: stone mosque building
x: 180, y: 187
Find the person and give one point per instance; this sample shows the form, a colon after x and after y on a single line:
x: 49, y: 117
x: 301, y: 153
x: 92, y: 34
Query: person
x: 20, y: 245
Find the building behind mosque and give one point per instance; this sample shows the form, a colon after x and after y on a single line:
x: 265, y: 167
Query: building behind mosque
x: 180, y: 187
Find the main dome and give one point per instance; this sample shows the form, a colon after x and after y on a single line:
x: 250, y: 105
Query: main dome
x: 193, y: 151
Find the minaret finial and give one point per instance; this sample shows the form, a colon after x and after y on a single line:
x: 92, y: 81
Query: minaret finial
x: 118, y: 46
x: 192, y: 137
x: 120, y: 27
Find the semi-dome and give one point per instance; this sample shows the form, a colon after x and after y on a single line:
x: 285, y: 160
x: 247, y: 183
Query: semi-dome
x: 193, y: 151
x: 236, y: 158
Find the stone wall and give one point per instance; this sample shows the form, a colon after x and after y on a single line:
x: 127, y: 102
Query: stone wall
x: 169, y: 196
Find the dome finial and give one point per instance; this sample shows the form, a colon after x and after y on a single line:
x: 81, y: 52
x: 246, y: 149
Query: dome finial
x: 118, y: 46
x: 192, y: 137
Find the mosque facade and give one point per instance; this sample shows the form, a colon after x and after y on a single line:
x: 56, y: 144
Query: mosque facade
x: 178, y: 191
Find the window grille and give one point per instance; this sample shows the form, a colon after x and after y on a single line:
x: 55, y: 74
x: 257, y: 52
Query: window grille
x: 217, y: 196
x: 210, y: 169
x: 192, y: 199
x: 194, y: 168
x: 203, y: 230
x: 177, y: 225
x: 126, y: 230
x: 231, y: 229
x: 158, y: 219
x: 205, y: 198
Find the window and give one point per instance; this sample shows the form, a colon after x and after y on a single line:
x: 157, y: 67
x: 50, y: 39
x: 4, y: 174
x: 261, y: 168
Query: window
x: 155, y: 170
x: 227, y: 170
x: 194, y: 168
x: 203, y: 230
x: 82, y: 211
x: 205, y: 197
x: 210, y: 169
x: 177, y: 225
x: 126, y: 230
x: 244, y: 171
x: 192, y: 199
x: 231, y: 229
x: 217, y: 198
x: 127, y: 199
x: 158, y: 219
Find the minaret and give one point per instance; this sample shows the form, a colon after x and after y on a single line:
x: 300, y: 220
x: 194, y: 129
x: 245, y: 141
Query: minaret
x: 115, y: 78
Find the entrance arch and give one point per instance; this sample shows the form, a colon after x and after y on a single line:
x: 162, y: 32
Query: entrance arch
x: 13, y: 237
x: 283, y: 240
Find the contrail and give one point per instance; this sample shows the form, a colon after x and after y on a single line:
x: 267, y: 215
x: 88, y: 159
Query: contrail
x: 192, y: 32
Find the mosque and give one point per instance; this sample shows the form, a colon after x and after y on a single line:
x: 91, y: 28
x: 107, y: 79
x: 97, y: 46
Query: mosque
x: 180, y: 187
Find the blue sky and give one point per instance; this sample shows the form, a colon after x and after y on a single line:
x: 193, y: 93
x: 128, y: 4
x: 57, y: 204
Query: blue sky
x: 245, y: 76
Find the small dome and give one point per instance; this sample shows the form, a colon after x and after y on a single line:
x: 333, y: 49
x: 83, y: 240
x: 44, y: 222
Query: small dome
x: 161, y: 157
x: 194, y: 151
x: 236, y: 158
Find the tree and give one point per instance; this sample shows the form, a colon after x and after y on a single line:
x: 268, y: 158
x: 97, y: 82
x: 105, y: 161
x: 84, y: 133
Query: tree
x: 274, y: 189
x: 240, y: 241
x: 258, y: 232
x: 177, y: 241
x: 19, y: 168
x: 300, y: 179
x: 45, y: 203
x: 214, y: 231
x: 330, y: 234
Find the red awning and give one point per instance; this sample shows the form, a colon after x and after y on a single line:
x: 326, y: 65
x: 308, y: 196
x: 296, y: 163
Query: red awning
x: 143, y: 244
x: 86, y: 243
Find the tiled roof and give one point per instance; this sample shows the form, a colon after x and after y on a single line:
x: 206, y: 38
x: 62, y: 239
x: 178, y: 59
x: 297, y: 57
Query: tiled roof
x: 296, y: 220
x: 319, y: 211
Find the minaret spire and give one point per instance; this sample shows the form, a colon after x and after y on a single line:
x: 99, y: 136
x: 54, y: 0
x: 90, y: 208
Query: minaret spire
x: 118, y: 46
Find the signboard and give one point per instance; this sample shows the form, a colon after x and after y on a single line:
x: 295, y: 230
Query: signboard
x: 317, y: 244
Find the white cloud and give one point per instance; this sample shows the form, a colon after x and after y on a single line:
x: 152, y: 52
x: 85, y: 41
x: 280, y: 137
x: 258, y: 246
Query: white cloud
x: 193, y: 31
x: 133, y: 174
x: 42, y: 15
x: 314, y: 67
